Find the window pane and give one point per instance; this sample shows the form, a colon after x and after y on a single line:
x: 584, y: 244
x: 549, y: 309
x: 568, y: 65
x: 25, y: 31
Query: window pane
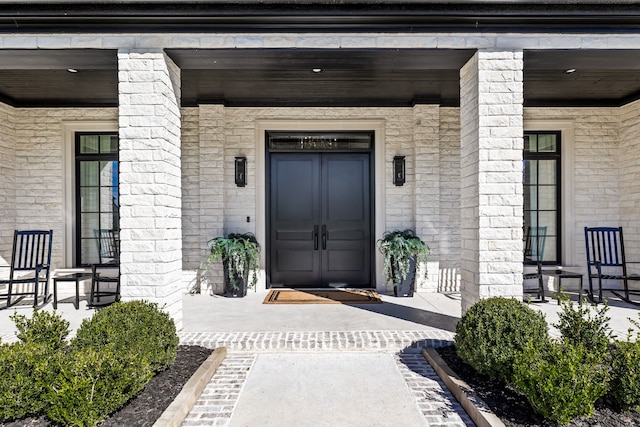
x: 90, y: 222
x: 550, y: 254
x: 89, y: 254
x: 108, y: 144
x: 530, y: 219
x: 547, y: 172
x: 548, y: 219
x: 531, y: 172
x: 106, y: 173
x: 531, y: 198
x: 530, y: 143
x: 547, y: 198
x: 547, y: 143
x: 89, y: 144
x: 89, y: 199
x: 89, y: 173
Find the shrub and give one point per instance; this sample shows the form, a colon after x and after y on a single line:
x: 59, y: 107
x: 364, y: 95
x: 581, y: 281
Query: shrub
x: 26, y: 370
x: 581, y: 326
x: 91, y: 384
x: 625, y: 372
x: 137, y: 328
x: 560, y: 380
x: 494, y: 330
x: 43, y: 327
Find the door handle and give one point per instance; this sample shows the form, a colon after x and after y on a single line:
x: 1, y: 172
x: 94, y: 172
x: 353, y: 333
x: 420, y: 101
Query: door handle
x: 315, y: 237
x: 324, y: 237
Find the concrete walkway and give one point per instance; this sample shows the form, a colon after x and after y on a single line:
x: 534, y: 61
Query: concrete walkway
x: 317, y: 365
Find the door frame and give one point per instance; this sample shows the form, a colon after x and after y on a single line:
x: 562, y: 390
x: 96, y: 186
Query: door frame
x: 377, y: 168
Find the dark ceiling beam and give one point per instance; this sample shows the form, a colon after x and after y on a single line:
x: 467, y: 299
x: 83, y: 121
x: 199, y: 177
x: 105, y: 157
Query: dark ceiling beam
x: 181, y: 16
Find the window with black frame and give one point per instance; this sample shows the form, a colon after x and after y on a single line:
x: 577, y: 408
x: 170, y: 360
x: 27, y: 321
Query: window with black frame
x: 541, y: 182
x: 97, y: 199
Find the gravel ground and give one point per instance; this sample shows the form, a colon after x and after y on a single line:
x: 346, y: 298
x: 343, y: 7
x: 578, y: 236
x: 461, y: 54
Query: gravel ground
x: 150, y: 403
x: 514, y: 410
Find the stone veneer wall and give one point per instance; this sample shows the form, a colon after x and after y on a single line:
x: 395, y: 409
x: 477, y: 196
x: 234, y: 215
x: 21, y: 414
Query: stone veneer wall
x: 39, y: 174
x: 491, y: 98
x: 629, y: 169
x: 605, y: 140
x: 229, y: 132
x: 150, y: 179
x: 596, y: 154
x: 7, y: 181
x: 449, y: 226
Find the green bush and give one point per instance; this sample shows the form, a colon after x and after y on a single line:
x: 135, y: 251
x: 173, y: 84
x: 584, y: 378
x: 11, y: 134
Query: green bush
x: 494, y: 330
x: 625, y: 374
x: 43, y: 328
x: 560, y: 380
x: 580, y: 325
x: 92, y: 383
x: 137, y: 328
x: 26, y: 370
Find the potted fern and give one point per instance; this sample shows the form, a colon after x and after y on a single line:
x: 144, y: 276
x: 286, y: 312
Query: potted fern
x: 240, y: 256
x: 402, y: 251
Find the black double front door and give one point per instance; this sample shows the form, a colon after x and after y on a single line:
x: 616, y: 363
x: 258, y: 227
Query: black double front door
x: 320, y: 219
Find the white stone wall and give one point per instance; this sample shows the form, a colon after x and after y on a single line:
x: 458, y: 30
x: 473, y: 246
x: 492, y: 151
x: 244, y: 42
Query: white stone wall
x: 449, y: 226
x: 31, y: 143
x: 426, y: 160
x: 39, y: 175
x: 7, y: 181
x: 629, y: 162
x: 229, y: 132
x: 596, y: 196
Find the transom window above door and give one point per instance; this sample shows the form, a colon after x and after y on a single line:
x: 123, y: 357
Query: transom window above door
x: 319, y: 141
x: 97, y: 199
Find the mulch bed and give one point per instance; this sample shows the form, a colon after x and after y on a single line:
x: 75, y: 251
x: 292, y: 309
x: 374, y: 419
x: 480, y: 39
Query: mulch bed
x: 150, y: 403
x: 514, y: 410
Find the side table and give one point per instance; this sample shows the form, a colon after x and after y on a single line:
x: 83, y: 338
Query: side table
x: 568, y: 275
x: 72, y: 277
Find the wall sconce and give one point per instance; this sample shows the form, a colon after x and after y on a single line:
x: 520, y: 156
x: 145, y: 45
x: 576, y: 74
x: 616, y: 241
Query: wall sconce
x: 241, y: 171
x: 398, y: 171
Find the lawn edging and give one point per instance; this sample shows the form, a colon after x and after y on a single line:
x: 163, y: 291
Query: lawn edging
x: 177, y: 411
x: 473, y: 405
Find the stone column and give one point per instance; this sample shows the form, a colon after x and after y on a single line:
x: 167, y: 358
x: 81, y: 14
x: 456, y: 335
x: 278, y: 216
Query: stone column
x: 150, y: 179
x: 212, y: 171
x: 426, y: 137
x: 491, y: 98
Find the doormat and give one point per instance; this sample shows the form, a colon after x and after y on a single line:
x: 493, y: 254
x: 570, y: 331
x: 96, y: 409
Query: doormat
x: 322, y: 296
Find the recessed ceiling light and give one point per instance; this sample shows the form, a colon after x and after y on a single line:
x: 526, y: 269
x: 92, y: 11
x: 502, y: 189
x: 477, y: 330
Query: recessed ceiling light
x: 72, y: 70
x: 570, y: 70
x: 317, y: 70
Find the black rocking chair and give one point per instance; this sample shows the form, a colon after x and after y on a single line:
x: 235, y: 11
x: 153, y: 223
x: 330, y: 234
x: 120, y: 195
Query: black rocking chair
x: 606, y: 261
x: 30, y: 266
x: 533, y: 256
x: 109, y: 252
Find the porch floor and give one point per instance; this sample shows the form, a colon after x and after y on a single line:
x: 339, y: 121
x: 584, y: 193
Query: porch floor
x: 333, y: 364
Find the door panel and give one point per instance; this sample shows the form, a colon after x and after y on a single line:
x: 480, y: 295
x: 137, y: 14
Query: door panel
x: 320, y: 213
x: 346, y: 213
x: 295, y: 212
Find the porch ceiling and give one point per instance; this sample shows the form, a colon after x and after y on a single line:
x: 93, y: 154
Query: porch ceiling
x: 349, y: 77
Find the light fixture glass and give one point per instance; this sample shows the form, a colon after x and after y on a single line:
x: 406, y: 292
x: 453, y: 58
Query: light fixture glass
x: 399, y: 171
x: 570, y: 70
x: 316, y: 70
x: 241, y: 171
x: 72, y: 70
